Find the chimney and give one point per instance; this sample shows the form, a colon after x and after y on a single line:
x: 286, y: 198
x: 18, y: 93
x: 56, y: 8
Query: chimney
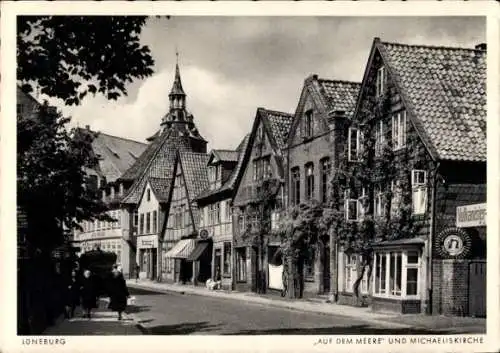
x: 481, y: 46
x: 87, y: 127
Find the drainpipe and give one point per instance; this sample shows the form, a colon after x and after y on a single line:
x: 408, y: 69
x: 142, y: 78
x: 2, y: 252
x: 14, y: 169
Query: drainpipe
x: 431, y: 239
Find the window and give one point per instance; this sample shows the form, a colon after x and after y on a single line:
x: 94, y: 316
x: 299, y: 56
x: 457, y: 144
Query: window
x: 217, y: 213
x: 308, y: 124
x: 350, y: 273
x: 262, y: 168
x: 275, y: 217
x: 309, y: 181
x: 187, y: 218
x: 148, y: 222
x: 254, y: 222
x: 136, y: 219
x: 141, y: 224
x: 362, y: 204
x: 378, y: 202
x: 351, y: 206
x: 381, y: 79
x: 228, y: 212
x: 397, y: 274
x: 396, y: 197
x: 295, y: 185
x: 241, y: 222
x: 217, y: 264
x: 148, y: 195
x: 155, y: 221
x: 325, y: 175
x: 259, y: 138
x: 379, y: 139
x: 241, y: 265
x: 354, y: 144
x: 227, y: 259
x: 309, y: 267
x: 255, y: 170
x: 169, y: 264
x: 399, y: 130
x: 419, y: 191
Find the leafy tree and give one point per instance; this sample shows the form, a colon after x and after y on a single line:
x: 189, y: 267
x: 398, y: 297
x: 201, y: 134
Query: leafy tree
x: 52, y: 186
x: 68, y: 57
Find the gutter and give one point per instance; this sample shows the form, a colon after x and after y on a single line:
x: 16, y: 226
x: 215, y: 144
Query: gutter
x: 431, y: 240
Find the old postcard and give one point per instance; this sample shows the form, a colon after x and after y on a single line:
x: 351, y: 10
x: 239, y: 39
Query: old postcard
x: 299, y: 177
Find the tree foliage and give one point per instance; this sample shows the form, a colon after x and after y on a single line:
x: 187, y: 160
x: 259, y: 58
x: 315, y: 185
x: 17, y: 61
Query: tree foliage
x: 68, y: 57
x: 52, y: 186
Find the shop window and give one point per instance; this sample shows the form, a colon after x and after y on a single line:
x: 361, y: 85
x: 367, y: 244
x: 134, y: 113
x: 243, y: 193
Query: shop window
x: 142, y: 260
x: 217, y: 264
x: 419, y: 191
x: 295, y: 185
x: 227, y: 259
x: 169, y: 265
x: 309, y: 168
x: 241, y: 265
x: 397, y: 274
x: 399, y: 130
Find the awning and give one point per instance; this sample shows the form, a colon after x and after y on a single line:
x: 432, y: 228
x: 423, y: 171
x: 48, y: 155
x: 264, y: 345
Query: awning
x: 417, y: 241
x: 182, y: 249
x: 197, y: 252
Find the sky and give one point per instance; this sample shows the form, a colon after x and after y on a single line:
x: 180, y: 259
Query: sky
x: 230, y: 66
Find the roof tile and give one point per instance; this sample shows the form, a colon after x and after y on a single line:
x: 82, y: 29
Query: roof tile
x: 446, y: 89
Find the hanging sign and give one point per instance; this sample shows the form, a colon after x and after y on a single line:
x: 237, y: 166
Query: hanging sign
x: 453, y: 243
x: 471, y: 215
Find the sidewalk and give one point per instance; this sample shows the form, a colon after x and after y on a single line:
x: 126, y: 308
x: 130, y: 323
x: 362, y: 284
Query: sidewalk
x: 435, y: 322
x: 102, y: 322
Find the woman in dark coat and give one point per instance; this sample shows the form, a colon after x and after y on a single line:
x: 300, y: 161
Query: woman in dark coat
x: 118, y: 292
x: 72, y: 294
x: 89, y: 294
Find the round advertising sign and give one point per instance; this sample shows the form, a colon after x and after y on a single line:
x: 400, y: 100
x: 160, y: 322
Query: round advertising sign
x: 203, y: 234
x: 453, y: 243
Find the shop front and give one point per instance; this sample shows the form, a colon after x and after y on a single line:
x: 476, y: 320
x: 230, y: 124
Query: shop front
x: 147, y: 250
x: 459, y: 265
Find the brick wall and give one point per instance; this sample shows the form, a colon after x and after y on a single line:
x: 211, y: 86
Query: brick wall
x: 450, y: 294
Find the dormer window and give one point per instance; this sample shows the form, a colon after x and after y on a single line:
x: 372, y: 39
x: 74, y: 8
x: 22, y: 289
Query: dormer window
x: 381, y: 80
x: 214, y: 175
x: 148, y: 195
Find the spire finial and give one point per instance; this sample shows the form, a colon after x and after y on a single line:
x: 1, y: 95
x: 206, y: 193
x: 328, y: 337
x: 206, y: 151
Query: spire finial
x: 176, y: 55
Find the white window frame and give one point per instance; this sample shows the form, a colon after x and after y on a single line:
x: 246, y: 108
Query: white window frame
x: 361, y: 208
x: 378, y: 203
x: 359, y: 141
x: 399, y: 130
x: 404, y: 267
x: 379, y: 139
x: 348, y: 202
x: 381, y: 79
x: 419, y: 191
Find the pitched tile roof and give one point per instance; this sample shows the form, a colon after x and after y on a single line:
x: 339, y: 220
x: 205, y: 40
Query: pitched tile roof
x: 230, y: 183
x: 194, y: 169
x: 226, y: 155
x: 340, y: 95
x: 157, y: 161
x: 116, y: 154
x: 279, y: 124
x: 161, y: 187
x: 445, y: 89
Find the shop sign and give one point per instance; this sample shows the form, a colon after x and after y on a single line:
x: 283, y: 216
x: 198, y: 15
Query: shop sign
x: 471, y: 215
x: 453, y: 243
x: 147, y: 242
x: 203, y: 234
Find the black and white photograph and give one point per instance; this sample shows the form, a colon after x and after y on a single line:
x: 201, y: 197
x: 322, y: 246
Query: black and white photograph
x: 251, y: 175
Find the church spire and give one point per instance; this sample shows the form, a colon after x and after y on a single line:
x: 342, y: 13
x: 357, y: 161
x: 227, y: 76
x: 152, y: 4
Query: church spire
x: 177, y: 96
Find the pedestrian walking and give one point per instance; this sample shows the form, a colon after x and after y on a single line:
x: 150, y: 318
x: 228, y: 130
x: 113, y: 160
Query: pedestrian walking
x: 88, y: 293
x: 72, y: 297
x: 118, y: 292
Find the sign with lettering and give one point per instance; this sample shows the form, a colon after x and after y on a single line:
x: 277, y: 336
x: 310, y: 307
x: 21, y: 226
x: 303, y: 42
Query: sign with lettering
x: 453, y: 243
x: 147, y: 242
x: 471, y: 215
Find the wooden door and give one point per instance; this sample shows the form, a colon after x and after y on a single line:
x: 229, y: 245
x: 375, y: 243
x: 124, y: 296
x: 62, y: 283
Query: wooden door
x: 477, y: 289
